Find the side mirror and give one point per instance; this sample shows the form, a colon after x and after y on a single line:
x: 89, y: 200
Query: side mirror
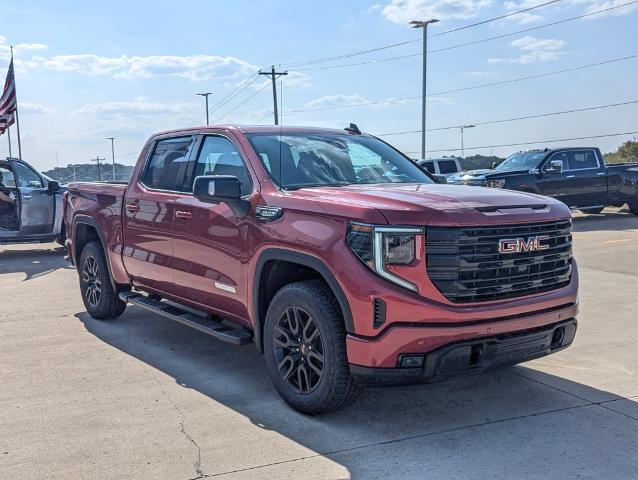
x: 493, y: 165
x: 53, y: 187
x: 438, y: 178
x: 555, y: 166
x: 217, y: 189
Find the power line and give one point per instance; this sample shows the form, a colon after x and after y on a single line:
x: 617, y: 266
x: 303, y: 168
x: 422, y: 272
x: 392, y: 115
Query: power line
x: 467, y: 44
x: 242, y: 103
x: 393, y: 45
x: 463, y: 89
x: 483, y: 22
x: 512, y: 119
x: 557, y: 140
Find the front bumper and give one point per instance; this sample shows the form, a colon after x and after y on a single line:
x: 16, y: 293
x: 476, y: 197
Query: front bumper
x: 473, y: 356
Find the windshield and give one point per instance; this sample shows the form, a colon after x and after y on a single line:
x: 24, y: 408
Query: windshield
x: 521, y: 161
x: 315, y: 160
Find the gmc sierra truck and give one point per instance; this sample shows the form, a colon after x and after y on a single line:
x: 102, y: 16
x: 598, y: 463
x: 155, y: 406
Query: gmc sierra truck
x: 577, y: 177
x: 337, y: 256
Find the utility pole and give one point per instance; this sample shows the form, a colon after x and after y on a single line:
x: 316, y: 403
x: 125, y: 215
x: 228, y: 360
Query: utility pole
x: 205, y: 95
x: 424, y: 26
x: 112, y: 139
x: 273, y: 76
x: 97, y: 159
x: 463, y: 127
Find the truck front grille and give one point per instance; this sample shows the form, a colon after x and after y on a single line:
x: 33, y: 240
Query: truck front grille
x: 465, y: 265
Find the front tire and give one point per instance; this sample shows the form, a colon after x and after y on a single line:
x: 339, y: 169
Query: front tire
x: 98, y: 295
x: 305, y: 349
x: 633, y: 206
x: 593, y: 211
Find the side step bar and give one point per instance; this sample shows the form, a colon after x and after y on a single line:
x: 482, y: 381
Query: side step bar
x: 217, y: 328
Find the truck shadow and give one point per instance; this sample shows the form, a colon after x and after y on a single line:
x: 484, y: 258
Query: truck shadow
x: 36, y: 262
x: 607, y: 221
x: 397, y: 422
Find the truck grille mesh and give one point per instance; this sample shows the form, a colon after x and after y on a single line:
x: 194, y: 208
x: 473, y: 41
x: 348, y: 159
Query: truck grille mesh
x: 465, y: 265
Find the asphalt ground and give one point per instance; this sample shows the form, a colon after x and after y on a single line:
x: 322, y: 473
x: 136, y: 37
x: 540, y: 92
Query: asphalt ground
x: 142, y: 397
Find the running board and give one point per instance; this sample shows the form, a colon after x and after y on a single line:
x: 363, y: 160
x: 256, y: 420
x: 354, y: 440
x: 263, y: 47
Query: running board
x: 217, y: 328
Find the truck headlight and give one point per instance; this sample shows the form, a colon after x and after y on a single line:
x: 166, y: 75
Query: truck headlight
x: 498, y: 183
x: 379, y: 246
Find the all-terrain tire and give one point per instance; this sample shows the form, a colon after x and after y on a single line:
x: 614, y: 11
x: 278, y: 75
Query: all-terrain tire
x: 315, y: 307
x: 99, y: 297
x: 593, y: 211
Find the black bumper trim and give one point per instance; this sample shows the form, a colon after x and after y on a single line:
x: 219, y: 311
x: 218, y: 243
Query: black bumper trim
x: 474, y: 356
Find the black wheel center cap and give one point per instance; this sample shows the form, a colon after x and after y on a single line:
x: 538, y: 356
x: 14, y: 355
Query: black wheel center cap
x: 303, y: 348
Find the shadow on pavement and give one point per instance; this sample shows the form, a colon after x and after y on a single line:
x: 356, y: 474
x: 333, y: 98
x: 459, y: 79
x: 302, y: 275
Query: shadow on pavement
x: 399, y: 422
x: 607, y: 221
x: 33, y: 263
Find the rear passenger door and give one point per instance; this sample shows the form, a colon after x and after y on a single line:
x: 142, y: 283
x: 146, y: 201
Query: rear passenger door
x: 149, y: 212
x: 588, y: 177
x: 210, y: 251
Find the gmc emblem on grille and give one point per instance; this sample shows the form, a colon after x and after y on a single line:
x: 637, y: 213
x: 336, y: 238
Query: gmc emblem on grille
x: 517, y: 245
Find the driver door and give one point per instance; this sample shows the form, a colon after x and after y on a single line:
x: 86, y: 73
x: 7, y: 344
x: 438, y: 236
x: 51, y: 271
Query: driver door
x: 37, y: 205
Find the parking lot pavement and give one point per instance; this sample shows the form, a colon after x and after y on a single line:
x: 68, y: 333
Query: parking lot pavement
x: 142, y: 397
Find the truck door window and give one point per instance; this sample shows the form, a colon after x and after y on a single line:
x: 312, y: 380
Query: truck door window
x: 167, y: 166
x: 447, y: 166
x: 429, y: 166
x: 27, y: 178
x: 218, y: 156
x: 562, y: 156
x: 582, y: 159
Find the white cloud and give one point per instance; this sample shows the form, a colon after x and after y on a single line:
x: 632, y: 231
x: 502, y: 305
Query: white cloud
x: 404, y: 11
x: 136, y: 108
x: 329, y: 101
x: 534, y: 50
x: 192, y: 67
x: 34, y: 108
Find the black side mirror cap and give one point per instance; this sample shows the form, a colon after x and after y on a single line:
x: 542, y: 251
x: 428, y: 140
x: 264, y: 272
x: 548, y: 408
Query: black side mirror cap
x: 53, y: 186
x: 438, y: 178
x: 217, y: 189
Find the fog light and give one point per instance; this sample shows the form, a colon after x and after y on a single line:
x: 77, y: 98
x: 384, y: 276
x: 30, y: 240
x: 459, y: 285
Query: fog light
x: 411, y: 361
x: 558, y: 337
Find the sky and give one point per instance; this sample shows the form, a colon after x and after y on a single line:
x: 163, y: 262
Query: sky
x: 86, y: 71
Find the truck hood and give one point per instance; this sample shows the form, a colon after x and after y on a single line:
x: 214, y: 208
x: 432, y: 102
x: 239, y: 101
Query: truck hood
x: 419, y: 204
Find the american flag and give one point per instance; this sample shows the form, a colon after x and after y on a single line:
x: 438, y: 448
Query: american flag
x: 8, y: 102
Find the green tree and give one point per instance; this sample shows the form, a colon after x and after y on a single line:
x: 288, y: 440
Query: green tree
x: 627, y: 152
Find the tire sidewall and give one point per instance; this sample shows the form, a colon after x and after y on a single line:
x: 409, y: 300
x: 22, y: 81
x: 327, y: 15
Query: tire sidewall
x: 294, y: 295
x: 91, y: 250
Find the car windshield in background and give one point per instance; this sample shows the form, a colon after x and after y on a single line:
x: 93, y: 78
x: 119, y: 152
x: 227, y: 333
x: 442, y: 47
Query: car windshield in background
x: 315, y: 160
x: 521, y: 161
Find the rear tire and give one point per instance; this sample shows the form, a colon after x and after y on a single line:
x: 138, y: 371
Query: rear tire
x: 633, y: 206
x: 305, y: 349
x: 593, y: 211
x: 99, y: 297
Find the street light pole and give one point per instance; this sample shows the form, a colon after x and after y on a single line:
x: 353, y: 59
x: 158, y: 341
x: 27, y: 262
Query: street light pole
x: 112, y: 139
x: 463, y: 127
x: 424, y: 26
x: 205, y: 95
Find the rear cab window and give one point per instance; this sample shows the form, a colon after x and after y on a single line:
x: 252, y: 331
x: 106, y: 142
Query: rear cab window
x: 447, y: 166
x: 167, y: 166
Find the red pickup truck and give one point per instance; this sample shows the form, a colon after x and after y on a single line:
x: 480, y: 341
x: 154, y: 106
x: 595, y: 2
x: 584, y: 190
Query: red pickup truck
x: 343, y: 261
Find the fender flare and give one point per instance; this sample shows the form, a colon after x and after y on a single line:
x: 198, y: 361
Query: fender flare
x: 88, y: 220
x: 308, y: 261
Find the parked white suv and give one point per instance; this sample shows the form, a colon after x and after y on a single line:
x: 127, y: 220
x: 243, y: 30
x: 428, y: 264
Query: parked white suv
x: 441, y: 166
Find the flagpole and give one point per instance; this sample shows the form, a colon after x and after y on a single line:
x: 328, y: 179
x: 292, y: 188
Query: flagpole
x: 9, y: 137
x: 16, y: 111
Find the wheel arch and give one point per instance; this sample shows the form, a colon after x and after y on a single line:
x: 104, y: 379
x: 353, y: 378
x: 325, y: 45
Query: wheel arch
x: 85, y: 230
x: 308, y: 264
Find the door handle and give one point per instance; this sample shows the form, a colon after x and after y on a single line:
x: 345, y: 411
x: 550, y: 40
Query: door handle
x: 26, y: 197
x: 132, y: 207
x: 183, y: 215
x: 570, y: 176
